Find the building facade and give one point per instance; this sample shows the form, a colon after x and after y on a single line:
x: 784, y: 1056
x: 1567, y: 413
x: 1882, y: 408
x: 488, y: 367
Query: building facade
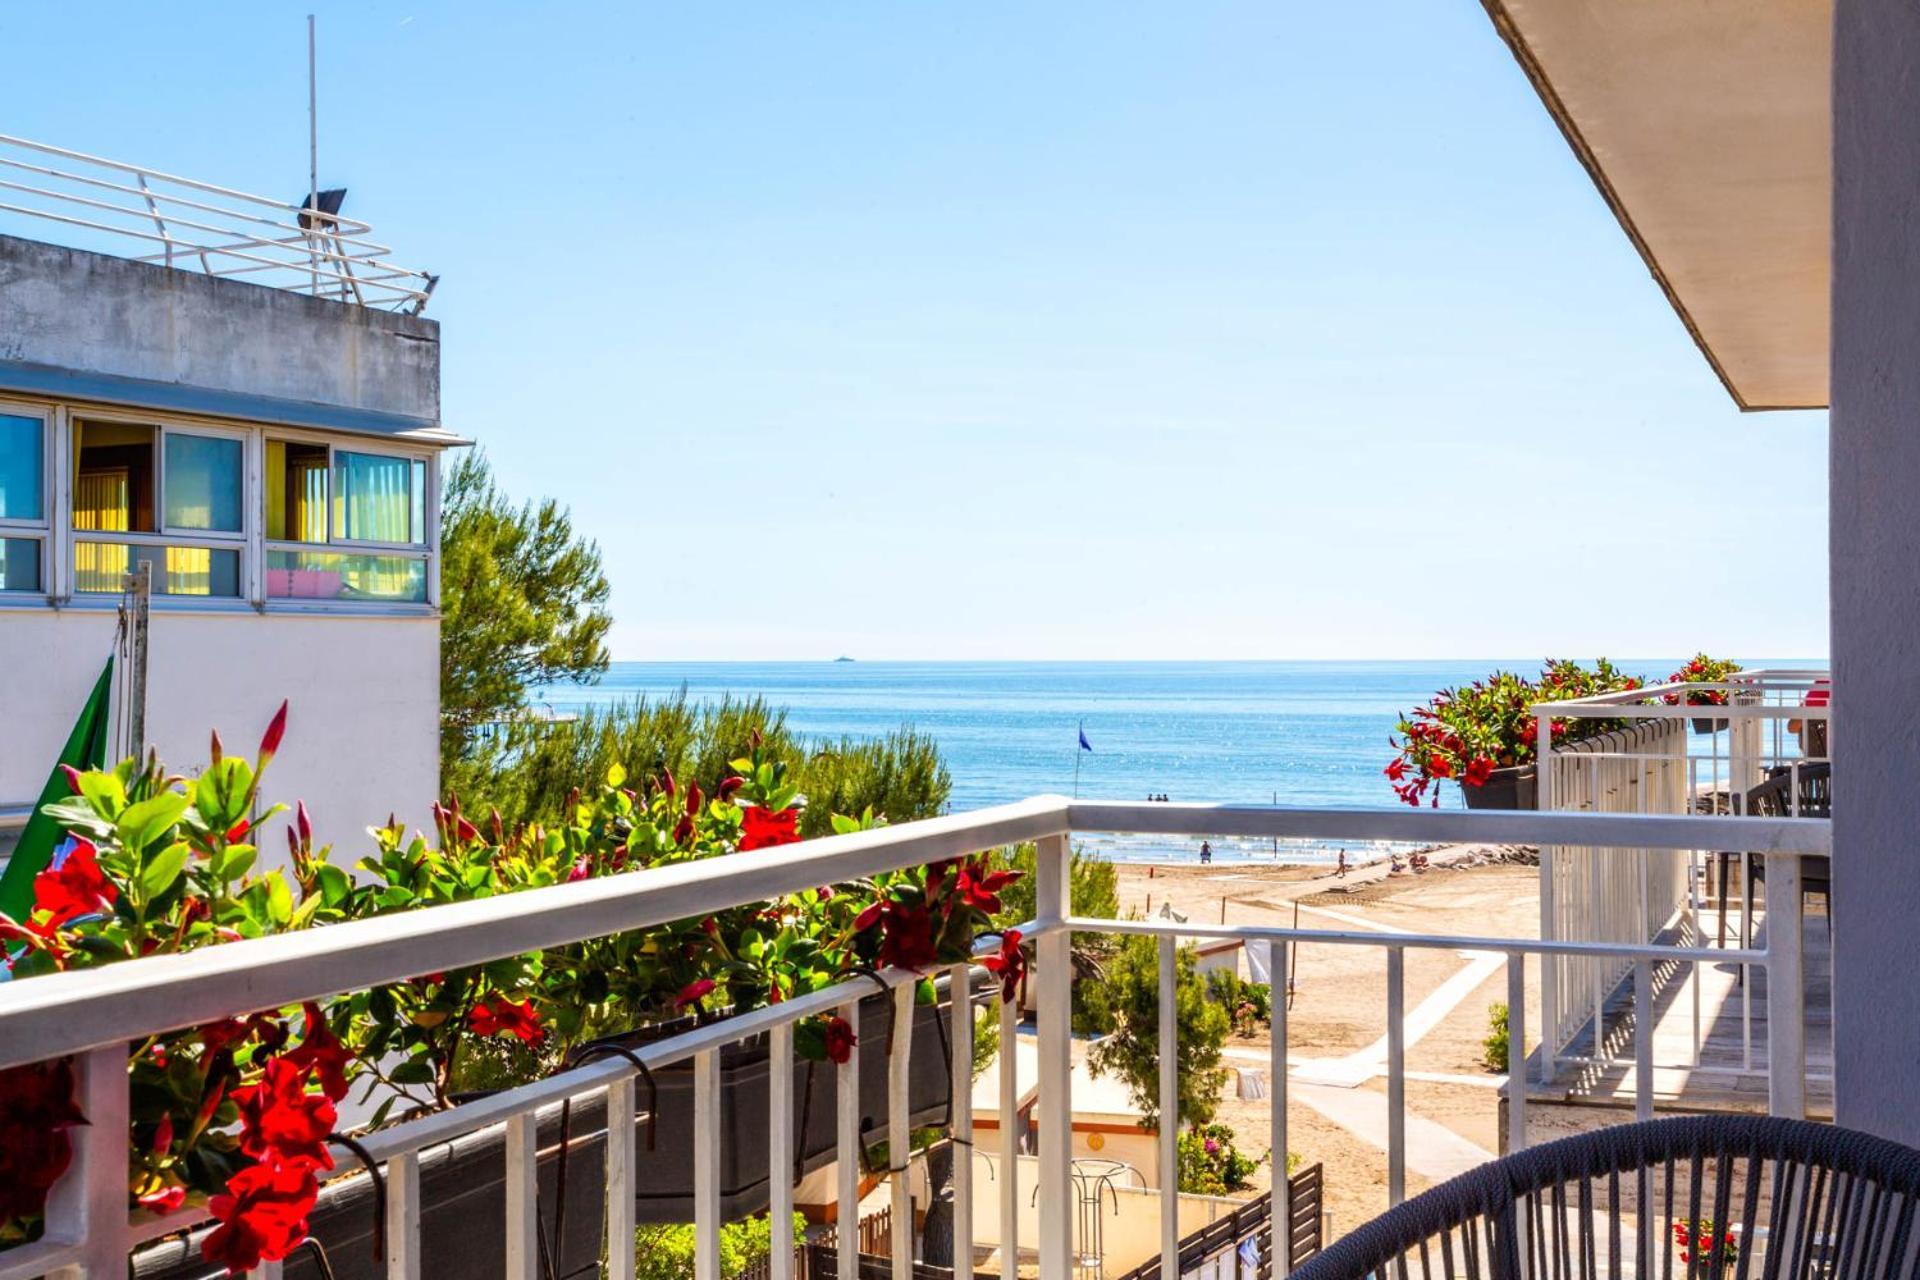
x: 273, y: 458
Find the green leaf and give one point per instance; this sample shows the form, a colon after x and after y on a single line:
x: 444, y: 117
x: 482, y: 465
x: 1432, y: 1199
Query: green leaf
x: 141, y: 824
x: 415, y: 1071
x: 221, y: 793
x: 104, y: 792
x: 163, y: 870
x: 616, y: 775
x: 279, y: 899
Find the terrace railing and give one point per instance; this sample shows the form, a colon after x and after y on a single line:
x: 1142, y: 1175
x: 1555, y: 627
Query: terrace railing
x: 1652, y: 766
x: 94, y: 1015
x: 142, y: 213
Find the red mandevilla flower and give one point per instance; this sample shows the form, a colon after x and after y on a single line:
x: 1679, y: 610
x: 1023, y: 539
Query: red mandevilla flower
x: 72, y: 887
x: 503, y: 1017
x: 760, y: 829
x: 1009, y: 964
x: 1479, y: 769
x: 262, y: 1216
x: 280, y: 1120
x: 276, y: 730
x: 36, y: 1109
x: 693, y: 991
x: 323, y: 1054
x: 840, y: 1040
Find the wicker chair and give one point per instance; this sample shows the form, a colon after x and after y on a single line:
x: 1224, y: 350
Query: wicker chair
x: 1758, y: 1197
x: 1776, y: 798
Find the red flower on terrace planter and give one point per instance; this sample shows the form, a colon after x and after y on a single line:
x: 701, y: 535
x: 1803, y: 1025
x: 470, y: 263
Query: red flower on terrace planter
x: 280, y: 1120
x: 1009, y: 964
x: 760, y: 829
x: 73, y: 886
x: 840, y: 1040
x: 503, y: 1017
x: 1479, y: 769
x: 323, y: 1053
x: 262, y: 1215
x: 36, y: 1109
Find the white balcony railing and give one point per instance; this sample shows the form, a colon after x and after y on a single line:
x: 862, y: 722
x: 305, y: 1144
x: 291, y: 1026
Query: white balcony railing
x: 1652, y: 766
x: 126, y: 209
x: 95, y: 1015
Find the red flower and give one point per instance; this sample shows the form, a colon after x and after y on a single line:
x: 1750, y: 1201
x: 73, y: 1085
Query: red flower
x: 72, y: 775
x: 979, y: 887
x: 238, y: 831
x: 1440, y: 767
x: 581, y: 870
x: 503, y: 1017
x: 760, y: 829
x: 262, y: 1215
x: 270, y: 740
x: 729, y: 785
x: 840, y: 1040
x: 1396, y: 770
x: 36, y: 1109
x: 1479, y: 769
x: 163, y: 1201
x: 693, y: 991
x: 906, y: 940
x: 323, y: 1054
x: 280, y: 1120
x: 72, y: 887
x: 1009, y: 964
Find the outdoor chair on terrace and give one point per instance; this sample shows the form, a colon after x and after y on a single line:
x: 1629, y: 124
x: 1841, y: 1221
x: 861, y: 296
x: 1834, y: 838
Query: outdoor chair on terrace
x: 1698, y: 1197
x: 1776, y: 798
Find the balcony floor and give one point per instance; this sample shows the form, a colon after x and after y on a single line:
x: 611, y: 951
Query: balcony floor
x: 1732, y: 1070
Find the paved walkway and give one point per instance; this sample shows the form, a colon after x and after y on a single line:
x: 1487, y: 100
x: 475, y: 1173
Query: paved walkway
x: 1434, y: 1151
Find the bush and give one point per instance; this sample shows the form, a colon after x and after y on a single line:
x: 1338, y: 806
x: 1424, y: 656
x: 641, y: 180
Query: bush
x: 528, y: 772
x: 666, y: 1253
x: 1493, y: 1050
x: 1210, y: 1163
x: 1249, y: 1004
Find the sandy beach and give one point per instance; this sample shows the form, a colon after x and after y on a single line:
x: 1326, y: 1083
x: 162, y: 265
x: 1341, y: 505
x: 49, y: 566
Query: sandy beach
x: 1338, y: 1015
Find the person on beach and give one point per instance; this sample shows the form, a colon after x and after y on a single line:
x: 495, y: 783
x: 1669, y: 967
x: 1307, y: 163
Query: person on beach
x: 1340, y: 867
x: 1206, y: 854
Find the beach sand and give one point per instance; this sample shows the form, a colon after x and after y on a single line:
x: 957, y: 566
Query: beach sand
x: 1339, y: 1006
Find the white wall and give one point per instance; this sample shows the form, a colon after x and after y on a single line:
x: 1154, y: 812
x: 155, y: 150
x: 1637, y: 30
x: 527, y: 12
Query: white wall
x: 362, y: 729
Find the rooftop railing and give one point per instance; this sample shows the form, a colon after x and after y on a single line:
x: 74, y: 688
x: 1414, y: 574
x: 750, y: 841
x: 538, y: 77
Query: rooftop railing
x: 96, y: 1014
x: 133, y: 211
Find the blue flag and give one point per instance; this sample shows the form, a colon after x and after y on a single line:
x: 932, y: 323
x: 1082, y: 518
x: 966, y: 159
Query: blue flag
x: 1084, y: 744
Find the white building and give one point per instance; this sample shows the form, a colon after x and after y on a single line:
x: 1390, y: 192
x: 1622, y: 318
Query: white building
x: 261, y: 431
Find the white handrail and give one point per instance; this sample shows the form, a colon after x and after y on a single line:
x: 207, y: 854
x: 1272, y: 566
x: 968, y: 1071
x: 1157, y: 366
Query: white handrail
x: 215, y: 230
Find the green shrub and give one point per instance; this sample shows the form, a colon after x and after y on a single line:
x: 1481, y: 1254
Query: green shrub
x: 1132, y: 1052
x: 666, y: 1252
x: 1249, y: 1004
x: 1493, y: 1050
x: 1210, y: 1163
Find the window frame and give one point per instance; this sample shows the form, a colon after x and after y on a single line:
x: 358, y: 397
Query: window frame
x: 162, y: 535
x: 42, y: 531
x: 427, y: 550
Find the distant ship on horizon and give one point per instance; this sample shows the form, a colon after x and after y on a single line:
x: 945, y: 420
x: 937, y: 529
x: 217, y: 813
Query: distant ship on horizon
x: 843, y: 658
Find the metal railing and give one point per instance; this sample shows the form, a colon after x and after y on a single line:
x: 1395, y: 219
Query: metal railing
x: 177, y: 222
x: 95, y: 1014
x: 1651, y: 766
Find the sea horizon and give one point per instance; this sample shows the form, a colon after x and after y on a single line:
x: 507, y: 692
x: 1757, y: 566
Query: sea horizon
x: 1309, y: 732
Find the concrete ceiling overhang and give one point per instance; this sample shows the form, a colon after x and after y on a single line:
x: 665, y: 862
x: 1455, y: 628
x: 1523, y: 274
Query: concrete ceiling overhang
x: 1706, y: 126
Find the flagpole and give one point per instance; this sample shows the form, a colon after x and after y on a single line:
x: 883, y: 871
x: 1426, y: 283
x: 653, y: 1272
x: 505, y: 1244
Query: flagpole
x: 1076, y: 759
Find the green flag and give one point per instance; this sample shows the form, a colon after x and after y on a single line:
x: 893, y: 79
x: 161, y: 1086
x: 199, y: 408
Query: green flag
x: 86, y: 749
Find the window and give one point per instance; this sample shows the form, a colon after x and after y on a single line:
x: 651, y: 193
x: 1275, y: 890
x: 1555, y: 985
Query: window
x: 23, y: 501
x: 203, y: 482
x: 340, y: 523
x: 181, y: 492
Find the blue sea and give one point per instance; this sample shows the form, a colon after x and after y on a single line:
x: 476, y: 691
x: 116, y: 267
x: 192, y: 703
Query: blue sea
x: 1299, y: 733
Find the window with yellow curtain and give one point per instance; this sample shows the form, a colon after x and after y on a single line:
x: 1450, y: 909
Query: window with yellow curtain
x: 373, y: 498
x: 112, y: 492
x: 296, y: 492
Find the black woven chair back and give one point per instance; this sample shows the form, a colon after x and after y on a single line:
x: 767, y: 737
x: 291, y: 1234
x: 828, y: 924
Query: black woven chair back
x: 1690, y: 1198
x: 1775, y: 798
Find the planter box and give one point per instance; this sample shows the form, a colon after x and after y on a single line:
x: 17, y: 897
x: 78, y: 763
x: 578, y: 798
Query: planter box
x: 1515, y: 787
x: 1703, y: 725
x: 462, y: 1189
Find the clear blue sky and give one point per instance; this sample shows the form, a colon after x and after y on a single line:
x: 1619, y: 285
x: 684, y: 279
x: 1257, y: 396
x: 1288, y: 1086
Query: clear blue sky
x: 1063, y: 330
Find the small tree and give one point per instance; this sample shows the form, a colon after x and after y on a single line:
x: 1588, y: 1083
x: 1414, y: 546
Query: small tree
x: 523, y: 602
x: 1132, y: 1052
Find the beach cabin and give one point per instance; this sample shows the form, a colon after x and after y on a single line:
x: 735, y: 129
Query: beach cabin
x: 240, y: 398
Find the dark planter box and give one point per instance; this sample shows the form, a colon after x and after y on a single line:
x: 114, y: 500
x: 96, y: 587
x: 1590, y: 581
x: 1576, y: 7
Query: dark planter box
x: 1515, y: 787
x: 462, y: 1185
x: 1704, y: 725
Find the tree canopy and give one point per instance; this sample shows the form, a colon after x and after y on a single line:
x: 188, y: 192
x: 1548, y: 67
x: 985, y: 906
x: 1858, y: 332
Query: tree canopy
x: 523, y: 602
x: 1132, y: 1052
